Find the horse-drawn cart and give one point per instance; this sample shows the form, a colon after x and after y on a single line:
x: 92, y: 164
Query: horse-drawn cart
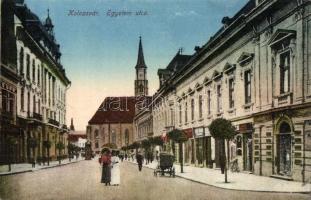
x: 166, y: 165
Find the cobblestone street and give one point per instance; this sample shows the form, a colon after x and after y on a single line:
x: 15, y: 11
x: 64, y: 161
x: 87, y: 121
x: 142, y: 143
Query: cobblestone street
x: 82, y: 181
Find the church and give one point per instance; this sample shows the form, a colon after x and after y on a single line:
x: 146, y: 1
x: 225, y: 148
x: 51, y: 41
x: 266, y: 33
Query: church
x: 112, y: 123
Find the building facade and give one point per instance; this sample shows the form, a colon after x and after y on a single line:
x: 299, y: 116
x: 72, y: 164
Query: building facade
x: 40, y: 103
x: 112, y: 123
x: 255, y: 71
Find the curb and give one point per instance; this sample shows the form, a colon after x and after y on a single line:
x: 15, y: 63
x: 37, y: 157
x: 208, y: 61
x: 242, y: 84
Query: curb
x: 38, y: 169
x: 200, y: 182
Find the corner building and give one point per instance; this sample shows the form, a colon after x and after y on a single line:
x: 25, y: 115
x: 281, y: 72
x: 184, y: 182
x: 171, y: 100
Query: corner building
x: 256, y: 72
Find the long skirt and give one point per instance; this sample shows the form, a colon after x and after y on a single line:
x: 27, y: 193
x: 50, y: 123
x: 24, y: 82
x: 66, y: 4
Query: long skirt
x: 106, y: 174
x: 115, y: 175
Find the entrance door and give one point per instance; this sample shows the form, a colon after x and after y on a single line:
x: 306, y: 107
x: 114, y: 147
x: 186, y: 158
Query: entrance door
x: 284, y: 147
x: 247, y: 151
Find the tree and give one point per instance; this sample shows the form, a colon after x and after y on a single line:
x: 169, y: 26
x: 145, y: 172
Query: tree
x: 33, y: 143
x: 47, y: 144
x: 71, y: 150
x: 223, y: 130
x: 11, y: 141
x: 179, y: 137
x: 135, y: 146
x: 157, y: 141
x: 60, y: 146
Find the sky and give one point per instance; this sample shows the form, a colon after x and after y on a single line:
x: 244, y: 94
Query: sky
x: 99, y: 53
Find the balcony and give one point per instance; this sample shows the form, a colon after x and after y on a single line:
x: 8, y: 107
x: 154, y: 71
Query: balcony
x: 7, y: 117
x: 37, y: 116
x: 53, y: 122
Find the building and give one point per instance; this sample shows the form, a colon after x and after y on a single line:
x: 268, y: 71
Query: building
x: 9, y: 132
x: 40, y: 95
x: 77, y: 138
x: 112, y: 123
x: 255, y: 71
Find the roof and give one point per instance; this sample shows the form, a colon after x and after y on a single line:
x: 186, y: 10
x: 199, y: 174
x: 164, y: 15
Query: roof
x: 115, y: 110
x: 140, y: 58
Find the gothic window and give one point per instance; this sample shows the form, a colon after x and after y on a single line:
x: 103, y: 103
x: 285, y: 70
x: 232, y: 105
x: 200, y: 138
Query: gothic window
x: 219, y: 105
x: 113, y: 137
x: 96, y: 133
x: 247, y: 87
x: 21, y: 61
x: 285, y: 72
x: 200, y: 106
x: 231, y: 93
x: 141, y: 88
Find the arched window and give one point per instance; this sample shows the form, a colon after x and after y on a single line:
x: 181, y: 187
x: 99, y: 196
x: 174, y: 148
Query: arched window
x: 126, y: 136
x: 141, y: 88
x: 285, y: 128
x: 96, y: 133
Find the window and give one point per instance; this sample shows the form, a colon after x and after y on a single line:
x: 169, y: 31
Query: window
x: 219, y: 105
x: 21, y: 61
x: 231, y: 93
x: 96, y: 145
x: 209, y: 102
x: 7, y: 101
x: 127, y: 136
x: 33, y: 70
x: 38, y: 75
x: 28, y: 104
x: 28, y: 66
x: 34, y: 104
x: 172, y: 117
x: 180, y: 114
x: 192, y: 109
x: 39, y: 106
x: 113, y: 137
x: 200, y: 106
x: 22, y: 99
x: 186, y: 110
x: 96, y: 133
x: 247, y: 86
x: 285, y: 72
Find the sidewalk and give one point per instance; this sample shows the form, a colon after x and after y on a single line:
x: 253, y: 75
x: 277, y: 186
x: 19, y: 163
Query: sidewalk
x: 237, y: 181
x: 27, y: 167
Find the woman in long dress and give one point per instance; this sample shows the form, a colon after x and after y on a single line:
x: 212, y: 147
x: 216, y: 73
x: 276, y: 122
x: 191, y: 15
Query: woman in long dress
x: 106, y: 170
x: 115, y: 169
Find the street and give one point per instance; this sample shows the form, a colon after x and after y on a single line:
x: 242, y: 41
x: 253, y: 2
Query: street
x: 82, y: 181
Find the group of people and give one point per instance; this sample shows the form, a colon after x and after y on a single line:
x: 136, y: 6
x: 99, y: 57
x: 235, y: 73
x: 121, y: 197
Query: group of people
x: 110, y: 167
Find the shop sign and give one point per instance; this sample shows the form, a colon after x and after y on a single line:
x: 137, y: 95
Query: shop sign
x: 248, y: 127
x: 199, y: 132
x: 207, y: 133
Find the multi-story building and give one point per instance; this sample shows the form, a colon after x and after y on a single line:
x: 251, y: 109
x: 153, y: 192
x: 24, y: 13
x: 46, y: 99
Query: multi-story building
x: 255, y: 71
x: 40, y: 100
x: 9, y: 132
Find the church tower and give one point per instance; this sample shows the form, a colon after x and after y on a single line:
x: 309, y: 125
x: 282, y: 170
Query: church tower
x: 141, y: 82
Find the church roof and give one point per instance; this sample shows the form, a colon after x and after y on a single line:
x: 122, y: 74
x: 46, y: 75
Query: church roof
x: 115, y: 110
x: 140, y: 58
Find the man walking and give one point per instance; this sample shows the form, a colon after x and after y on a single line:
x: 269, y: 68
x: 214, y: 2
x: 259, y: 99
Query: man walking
x: 140, y: 160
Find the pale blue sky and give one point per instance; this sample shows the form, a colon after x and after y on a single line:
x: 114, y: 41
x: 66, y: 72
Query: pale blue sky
x: 100, y: 52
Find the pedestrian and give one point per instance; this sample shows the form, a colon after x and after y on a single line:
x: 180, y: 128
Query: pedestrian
x: 126, y: 156
x: 106, y: 167
x: 140, y: 160
x: 115, y: 169
x: 157, y: 156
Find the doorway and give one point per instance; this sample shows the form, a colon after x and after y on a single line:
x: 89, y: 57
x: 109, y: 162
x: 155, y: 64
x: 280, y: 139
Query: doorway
x: 284, y: 149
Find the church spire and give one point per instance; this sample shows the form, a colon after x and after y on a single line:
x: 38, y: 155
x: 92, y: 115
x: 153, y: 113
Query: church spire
x: 140, y: 58
x: 71, y: 125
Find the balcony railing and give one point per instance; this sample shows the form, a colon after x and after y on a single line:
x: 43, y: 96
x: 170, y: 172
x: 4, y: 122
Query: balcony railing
x: 37, y: 116
x: 54, y: 122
